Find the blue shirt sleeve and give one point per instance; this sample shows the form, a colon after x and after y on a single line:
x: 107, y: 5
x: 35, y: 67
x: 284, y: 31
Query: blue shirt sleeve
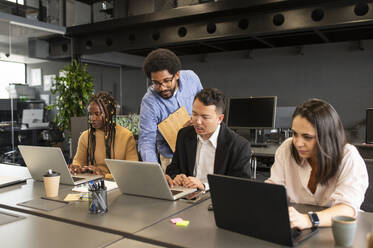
x: 197, y: 82
x: 199, y: 85
x: 148, y: 133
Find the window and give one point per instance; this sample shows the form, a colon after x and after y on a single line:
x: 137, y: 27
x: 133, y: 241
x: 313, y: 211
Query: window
x: 14, y: 1
x: 11, y: 73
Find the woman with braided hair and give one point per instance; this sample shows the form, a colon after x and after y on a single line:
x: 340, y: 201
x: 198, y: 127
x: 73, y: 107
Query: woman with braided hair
x: 103, y: 139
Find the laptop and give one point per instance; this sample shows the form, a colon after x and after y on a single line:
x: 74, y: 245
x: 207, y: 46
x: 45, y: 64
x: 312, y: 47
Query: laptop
x: 39, y: 159
x: 144, y: 179
x: 254, y: 208
x: 10, y: 180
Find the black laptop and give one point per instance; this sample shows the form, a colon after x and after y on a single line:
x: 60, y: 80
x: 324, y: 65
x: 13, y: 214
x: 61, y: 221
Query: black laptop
x: 254, y: 208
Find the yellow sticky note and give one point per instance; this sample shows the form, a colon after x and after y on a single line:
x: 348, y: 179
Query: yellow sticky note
x: 108, y: 176
x: 72, y: 197
x: 183, y: 223
x: 84, y: 196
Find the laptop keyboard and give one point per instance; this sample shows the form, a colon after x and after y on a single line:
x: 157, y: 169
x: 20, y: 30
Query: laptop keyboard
x: 175, y: 192
x: 77, y: 178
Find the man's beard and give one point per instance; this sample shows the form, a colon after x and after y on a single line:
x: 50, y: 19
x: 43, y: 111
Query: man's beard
x: 172, y: 91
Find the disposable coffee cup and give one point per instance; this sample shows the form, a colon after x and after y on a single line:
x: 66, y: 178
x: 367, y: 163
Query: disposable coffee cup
x: 370, y: 240
x: 344, y: 228
x: 51, y: 183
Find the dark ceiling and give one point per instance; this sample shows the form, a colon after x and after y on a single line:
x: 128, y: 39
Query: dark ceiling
x: 90, y: 1
x: 228, y: 26
x: 300, y: 38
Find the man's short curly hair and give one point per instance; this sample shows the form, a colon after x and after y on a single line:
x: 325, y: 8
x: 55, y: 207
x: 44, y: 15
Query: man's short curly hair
x: 161, y: 59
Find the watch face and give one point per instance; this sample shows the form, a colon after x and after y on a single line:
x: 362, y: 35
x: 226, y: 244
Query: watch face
x: 314, y: 219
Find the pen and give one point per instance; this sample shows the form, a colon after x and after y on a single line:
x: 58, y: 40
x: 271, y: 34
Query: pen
x: 90, y: 186
x: 103, y: 184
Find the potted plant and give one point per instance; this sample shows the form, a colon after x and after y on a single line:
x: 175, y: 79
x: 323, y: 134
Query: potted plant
x: 73, y: 89
x: 131, y: 122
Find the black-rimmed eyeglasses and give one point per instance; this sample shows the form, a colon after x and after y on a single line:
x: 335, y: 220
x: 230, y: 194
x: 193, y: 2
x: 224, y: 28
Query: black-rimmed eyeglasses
x: 165, y: 82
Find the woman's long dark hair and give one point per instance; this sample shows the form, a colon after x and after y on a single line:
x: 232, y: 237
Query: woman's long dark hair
x: 330, y: 137
x: 107, y: 105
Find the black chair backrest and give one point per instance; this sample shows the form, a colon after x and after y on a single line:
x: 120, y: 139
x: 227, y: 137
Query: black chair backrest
x: 368, y: 201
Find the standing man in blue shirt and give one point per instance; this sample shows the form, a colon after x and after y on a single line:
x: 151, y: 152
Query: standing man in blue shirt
x: 171, y: 88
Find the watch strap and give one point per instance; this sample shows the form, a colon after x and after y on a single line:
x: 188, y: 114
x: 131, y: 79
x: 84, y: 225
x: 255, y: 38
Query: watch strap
x: 314, y: 218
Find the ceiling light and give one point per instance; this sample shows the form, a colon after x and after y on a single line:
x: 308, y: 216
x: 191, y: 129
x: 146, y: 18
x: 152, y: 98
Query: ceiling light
x: 26, y: 25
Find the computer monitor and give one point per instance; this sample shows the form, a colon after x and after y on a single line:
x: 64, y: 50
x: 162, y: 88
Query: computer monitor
x: 369, y: 126
x: 284, y: 116
x: 32, y: 116
x: 252, y: 112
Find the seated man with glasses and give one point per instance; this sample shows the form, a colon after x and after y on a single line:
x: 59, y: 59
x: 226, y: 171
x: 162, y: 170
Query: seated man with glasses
x: 171, y: 89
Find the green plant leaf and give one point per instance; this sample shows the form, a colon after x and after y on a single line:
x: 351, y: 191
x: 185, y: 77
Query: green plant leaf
x: 73, y: 91
x: 131, y: 122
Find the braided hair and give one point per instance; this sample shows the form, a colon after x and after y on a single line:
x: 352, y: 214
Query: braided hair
x: 107, y: 105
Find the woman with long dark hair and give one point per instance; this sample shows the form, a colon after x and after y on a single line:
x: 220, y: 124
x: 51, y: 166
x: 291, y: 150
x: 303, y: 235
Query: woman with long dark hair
x: 103, y: 139
x: 318, y: 167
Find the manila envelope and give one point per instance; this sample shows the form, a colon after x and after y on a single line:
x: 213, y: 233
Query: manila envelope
x: 170, y: 126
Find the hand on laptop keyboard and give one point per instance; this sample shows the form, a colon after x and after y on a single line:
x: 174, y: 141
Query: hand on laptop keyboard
x: 188, y: 182
x: 96, y: 170
x: 169, y: 181
x: 74, y: 169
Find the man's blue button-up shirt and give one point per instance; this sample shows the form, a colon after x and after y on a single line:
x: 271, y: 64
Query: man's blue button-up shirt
x: 155, y: 109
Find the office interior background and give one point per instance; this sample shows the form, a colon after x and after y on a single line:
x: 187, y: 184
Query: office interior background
x: 294, y: 50
x: 291, y: 49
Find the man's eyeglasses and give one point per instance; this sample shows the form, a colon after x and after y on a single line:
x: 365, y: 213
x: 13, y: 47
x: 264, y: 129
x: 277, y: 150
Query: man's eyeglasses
x: 165, y: 82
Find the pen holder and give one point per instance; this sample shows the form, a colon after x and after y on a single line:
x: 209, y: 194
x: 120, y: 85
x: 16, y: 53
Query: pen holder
x: 97, y: 201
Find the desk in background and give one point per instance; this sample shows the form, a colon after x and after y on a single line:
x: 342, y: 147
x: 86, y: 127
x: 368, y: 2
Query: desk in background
x: 37, y: 136
x: 23, y: 136
x: 365, y: 150
x: 263, y: 153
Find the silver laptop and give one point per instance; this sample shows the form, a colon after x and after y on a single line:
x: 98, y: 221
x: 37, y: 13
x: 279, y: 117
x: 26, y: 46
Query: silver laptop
x: 144, y: 179
x: 10, y: 180
x: 39, y: 159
